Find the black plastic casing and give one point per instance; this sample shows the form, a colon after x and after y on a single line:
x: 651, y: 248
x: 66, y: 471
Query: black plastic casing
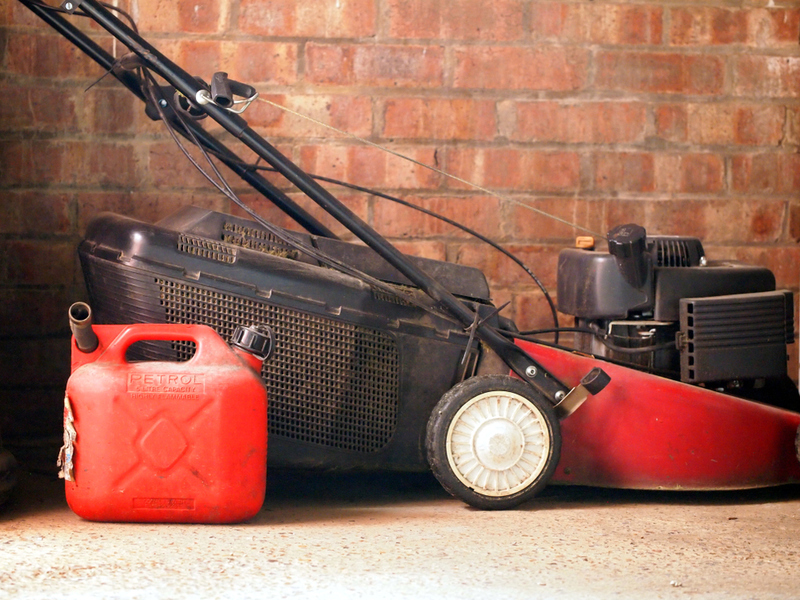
x: 355, y: 371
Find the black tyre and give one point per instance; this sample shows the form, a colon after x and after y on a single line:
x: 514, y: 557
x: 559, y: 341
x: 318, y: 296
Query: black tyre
x: 493, y: 442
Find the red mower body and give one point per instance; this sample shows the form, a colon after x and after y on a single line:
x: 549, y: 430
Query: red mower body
x: 649, y: 432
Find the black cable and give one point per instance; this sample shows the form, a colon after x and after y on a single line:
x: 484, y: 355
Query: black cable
x: 447, y: 220
x: 610, y: 345
x: 662, y: 372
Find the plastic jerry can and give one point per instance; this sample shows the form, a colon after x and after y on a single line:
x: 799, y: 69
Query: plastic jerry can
x: 172, y: 442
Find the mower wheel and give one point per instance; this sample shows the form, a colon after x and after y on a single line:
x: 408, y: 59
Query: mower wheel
x: 493, y: 441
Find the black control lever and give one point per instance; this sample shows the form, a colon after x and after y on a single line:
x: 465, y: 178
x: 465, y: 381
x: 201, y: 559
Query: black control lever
x: 628, y: 245
x: 593, y: 383
x: 223, y: 90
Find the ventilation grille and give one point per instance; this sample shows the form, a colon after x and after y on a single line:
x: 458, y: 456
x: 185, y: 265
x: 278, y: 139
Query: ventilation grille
x: 384, y: 296
x: 206, y: 248
x: 328, y: 382
x: 256, y: 239
x: 676, y: 252
x: 740, y: 336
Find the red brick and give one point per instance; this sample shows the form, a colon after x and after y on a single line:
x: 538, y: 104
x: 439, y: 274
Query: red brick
x: 36, y: 361
x: 273, y: 63
x: 200, y: 57
x: 18, y: 14
x: 483, y: 214
x: 441, y: 119
x: 492, y: 20
x: 34, y: 311
x: 589, y: 122
x: 40, y: 212
x: 37, y: 108
x: 702, y: 173
x: 39, y: 262
x: 514, y: 169
x: 111, y: 110
x: 312, y: 18
x: 110, y: 164
x: 503, y: 273
x: 794, y: 223
x: 619, y: 212
x: 793, y: 126
x: 32, y: 54
x: 167, y: 167
x: 402, y: 66
x: 596, y: 23
x: 729, y: 124
x: 27, y: 414
x: 46, y: 55
x: 359, y: 204
x: 368, y: 166
x: 660, y: 72
x: 530, y: 311
x: 766, y: 172
x: 151, y: 207
x: 537, y: 225
x: 700, y: 26
x: 759, y: 125
x: 671, y: 122
x: 689, y: 173
x: 767, y: 76
x: 717, y: 221
x: 711, y: 123
x: 518, y: 68
x: 351, y: 114
x: 145, y: 206
x: 189, y: 17
x: 42, y: 162
x: 625, y: 172
x: 771, y: 27
x: 424, y: 249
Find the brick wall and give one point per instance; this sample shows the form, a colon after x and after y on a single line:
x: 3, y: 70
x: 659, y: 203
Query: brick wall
x: 683, y: 116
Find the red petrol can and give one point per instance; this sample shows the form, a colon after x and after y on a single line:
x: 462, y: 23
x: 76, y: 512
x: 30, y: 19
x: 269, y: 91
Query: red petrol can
x: 154, y: 441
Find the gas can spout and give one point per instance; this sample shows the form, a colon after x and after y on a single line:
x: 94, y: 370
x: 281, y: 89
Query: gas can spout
x: 80, y: 322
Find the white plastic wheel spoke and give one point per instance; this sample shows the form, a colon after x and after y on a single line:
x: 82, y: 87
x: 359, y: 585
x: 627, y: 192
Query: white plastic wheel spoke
x: 497, y: 443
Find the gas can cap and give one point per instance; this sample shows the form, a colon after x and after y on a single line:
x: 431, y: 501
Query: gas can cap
x: 259, y: 340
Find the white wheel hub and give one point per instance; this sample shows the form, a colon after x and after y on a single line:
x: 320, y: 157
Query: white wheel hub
x: 498, y: 443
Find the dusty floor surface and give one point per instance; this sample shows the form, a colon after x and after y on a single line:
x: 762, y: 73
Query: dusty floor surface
x: 401, y: 536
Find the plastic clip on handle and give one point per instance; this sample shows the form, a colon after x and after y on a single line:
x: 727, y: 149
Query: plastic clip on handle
x: 223, y: 90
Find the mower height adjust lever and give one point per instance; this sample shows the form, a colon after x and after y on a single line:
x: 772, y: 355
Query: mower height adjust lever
x: 592, y: 383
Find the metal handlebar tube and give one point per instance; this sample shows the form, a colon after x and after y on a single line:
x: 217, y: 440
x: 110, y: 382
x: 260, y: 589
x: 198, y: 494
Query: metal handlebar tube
x: 514, y: 356
x: 229, y: 158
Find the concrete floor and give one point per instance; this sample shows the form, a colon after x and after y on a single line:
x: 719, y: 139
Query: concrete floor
x: 401, y: 536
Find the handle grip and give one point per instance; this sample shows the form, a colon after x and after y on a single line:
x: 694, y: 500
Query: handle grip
x: 209, y: 343
x: 221, y: 92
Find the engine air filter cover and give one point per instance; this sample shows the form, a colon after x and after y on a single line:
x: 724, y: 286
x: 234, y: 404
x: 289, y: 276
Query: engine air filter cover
x: 741, y: 336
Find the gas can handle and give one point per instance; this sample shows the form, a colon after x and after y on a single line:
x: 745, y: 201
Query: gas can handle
x: 209, y: 343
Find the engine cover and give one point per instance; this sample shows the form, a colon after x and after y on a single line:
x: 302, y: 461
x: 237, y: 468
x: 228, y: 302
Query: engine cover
x: 682, y: 316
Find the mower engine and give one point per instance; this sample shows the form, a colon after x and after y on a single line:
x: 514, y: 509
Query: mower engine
x: 658, y: 304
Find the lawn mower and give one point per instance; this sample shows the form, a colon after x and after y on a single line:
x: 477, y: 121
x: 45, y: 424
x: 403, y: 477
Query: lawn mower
x: 677, y: 377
